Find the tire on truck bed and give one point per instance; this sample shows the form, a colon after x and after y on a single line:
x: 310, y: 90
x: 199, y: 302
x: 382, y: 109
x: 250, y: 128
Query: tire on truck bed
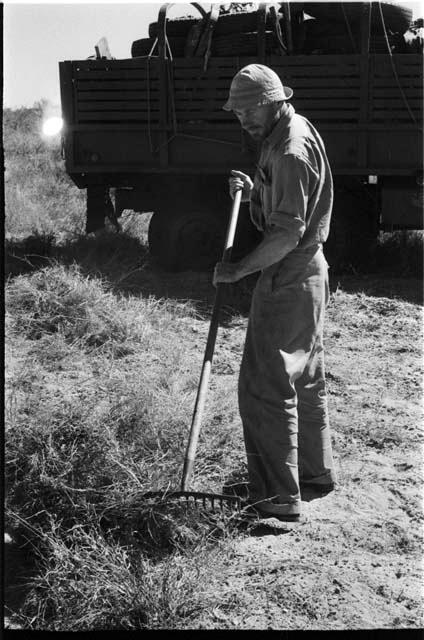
x: 143, y: 47
x: 396, y: 17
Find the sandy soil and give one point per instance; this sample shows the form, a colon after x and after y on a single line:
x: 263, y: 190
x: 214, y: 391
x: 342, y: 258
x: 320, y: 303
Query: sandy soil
x: 356, y: 560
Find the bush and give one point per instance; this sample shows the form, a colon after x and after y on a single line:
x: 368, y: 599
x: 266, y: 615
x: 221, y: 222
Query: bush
x: 39, y: 196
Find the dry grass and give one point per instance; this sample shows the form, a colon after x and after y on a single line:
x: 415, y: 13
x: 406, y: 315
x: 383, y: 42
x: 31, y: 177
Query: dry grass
x: 97, y: 413
x: 39, y: 195
x: 92, y: 423
x: 88, y: 581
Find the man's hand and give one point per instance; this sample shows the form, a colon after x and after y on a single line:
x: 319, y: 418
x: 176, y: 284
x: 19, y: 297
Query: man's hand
x: 226, y: 272
x: 239, y: 180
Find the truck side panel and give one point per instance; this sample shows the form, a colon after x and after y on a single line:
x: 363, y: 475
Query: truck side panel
x: 122, y: 122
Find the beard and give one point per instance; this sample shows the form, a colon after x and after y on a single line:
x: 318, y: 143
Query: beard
x: 257, y: 133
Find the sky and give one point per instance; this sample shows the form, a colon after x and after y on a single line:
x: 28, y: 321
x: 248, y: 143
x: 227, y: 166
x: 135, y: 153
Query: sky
x: 39, y: 35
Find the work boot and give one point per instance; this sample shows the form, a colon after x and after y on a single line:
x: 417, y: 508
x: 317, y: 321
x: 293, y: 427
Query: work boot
x: 315, y: 487
x: 265, y: 510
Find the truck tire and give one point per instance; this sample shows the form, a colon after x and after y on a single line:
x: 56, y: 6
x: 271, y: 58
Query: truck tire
x: 243, y: 44
x: 396, y: 17
x: 226, y: 24
x: 239, y: 23
x: 248, y: 21
x: 140, y: 48
x: 177, y: 27
x: 334, y: 45
x: 186, y: 241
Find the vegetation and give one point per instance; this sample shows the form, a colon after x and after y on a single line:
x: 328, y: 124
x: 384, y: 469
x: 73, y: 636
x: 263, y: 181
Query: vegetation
x: 103, y: 355
x: 40, y: 197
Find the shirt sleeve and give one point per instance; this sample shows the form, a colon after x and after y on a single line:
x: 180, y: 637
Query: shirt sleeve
x: 293, y: 180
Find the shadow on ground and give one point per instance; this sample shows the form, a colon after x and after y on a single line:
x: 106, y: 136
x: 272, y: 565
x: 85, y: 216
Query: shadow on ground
x: 124, y: 262
x: 19, y: 569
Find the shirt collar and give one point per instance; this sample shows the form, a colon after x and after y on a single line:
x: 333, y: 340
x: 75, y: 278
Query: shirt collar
x: 282, y: 124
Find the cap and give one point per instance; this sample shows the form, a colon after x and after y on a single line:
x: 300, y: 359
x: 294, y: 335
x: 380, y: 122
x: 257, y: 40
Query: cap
x: 256, y: 85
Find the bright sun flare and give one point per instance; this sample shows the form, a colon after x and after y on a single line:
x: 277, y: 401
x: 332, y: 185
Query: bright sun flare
x: 52, y: 126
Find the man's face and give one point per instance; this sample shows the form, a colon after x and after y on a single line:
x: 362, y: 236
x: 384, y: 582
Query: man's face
x: 258, y: 121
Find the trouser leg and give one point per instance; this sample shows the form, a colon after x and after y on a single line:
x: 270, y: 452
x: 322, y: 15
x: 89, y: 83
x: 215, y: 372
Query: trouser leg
x: 315, y: 450
x: 270, y: 435
x: 275, y: 353
x: 284, y: 331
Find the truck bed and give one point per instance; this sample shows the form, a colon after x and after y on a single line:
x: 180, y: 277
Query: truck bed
x: 145, y: 115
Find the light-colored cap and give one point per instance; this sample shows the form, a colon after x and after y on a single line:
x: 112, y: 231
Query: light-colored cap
x: 256, y: 85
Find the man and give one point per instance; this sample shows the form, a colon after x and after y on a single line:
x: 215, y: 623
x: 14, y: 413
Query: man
x: 282, y: 395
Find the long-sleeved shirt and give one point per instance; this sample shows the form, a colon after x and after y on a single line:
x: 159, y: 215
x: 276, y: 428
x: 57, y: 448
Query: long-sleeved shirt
x: 293, y: 186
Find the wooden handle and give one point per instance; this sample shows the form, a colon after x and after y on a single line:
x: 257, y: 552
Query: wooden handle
x: 209, y: 351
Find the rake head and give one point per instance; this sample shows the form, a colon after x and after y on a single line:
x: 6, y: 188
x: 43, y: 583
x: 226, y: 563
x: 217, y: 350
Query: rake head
x: 211, y: 500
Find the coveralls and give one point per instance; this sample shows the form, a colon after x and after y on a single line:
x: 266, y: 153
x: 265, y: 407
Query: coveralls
x: 282, y: 394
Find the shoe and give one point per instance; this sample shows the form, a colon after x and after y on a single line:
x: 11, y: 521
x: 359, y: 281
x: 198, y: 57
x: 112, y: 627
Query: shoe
x: 318, y: 488
x: 254, y: 511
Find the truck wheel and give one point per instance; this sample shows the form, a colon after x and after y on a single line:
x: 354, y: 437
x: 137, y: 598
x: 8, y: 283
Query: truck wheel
x: 186, y: 241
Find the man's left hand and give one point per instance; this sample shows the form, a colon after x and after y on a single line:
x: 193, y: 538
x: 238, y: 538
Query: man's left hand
x: 226, y: 272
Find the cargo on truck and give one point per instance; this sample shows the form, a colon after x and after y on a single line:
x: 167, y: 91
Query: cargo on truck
x: 148, y: 133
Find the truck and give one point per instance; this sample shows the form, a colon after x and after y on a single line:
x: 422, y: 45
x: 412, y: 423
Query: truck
x: 148, y: 133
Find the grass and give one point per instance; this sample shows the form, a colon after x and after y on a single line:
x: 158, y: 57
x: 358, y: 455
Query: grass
x: 100, y: 391
x: 97, y: 413
x: 91, y: 582
x: 103, y: 354
x: 40, y: 197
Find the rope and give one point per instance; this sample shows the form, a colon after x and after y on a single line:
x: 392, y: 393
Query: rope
x: 170, y: 70
x: 168, y: 46
x: 174, y: 121
x: 349, y: 29
x: 204, y: 139
x: 395, y: 73
x: 201, y: 138
x: 149, y: 126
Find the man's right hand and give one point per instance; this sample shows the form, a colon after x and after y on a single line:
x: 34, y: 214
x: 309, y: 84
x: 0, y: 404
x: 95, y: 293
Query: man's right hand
x: 239, y: 180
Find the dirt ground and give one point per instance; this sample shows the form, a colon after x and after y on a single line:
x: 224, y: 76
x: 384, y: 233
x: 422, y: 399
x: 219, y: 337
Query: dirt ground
x: 355, y: 561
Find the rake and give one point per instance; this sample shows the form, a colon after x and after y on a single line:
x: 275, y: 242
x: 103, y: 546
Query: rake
x: 198, y: 497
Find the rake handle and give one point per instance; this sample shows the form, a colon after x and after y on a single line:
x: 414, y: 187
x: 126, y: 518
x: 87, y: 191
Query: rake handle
x: 209, y: 351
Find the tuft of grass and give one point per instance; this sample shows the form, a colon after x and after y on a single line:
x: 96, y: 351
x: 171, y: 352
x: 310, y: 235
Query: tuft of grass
x: 60, y: 299
x: 89, y: 581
